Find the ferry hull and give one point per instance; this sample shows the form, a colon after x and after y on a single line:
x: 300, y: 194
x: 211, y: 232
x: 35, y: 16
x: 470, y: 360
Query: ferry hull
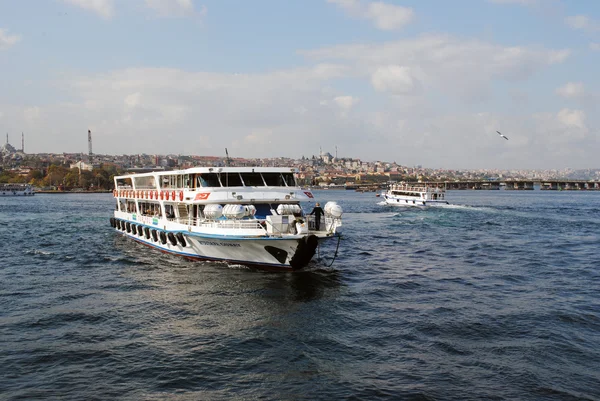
x: 265, y: 253
x: 413, y: 203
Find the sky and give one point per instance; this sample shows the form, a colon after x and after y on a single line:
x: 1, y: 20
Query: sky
x: 418, y: 82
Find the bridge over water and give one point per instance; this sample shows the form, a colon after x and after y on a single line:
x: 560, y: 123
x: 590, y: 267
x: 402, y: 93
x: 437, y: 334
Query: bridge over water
x: 549, y: 185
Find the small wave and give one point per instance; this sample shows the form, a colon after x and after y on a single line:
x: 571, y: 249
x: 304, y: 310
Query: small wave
x: 38, y: 252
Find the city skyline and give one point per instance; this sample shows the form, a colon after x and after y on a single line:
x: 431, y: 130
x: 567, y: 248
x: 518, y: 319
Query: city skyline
x: 419, y: 83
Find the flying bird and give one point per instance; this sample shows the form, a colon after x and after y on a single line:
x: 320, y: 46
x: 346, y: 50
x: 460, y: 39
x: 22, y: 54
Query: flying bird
x: 499, y: 133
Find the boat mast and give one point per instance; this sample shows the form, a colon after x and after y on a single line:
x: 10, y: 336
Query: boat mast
x: 227, y: 160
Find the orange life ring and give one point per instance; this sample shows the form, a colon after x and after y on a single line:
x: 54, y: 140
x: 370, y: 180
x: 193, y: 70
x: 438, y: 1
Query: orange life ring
x: 162, y: 195
x: 173, y: 195
x: 151, y: 195
x: 115, y: 193
x: 181, y: 195
x: 156, y: 195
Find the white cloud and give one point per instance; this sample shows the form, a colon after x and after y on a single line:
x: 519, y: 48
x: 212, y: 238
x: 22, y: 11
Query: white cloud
x: 571, y: 90
x: 345, y: 103
x: 572, y: 118
x: 163, y: 103
x: 103, y: 8
x: 395, y: 79
x: 582, y: 22
x: 463, y: 68
x: 132, y: 100
x: 7, y: 40
x: 351, y: 6
x: 384, y: 16
x: 518, y: 2
x: 175, y: 8
x: 389, y: 17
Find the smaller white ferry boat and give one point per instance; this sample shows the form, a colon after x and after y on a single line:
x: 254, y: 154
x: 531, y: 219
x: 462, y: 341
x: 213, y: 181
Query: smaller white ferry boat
x: 16, y: 190
x: 243, y: 215
x: 414, y: 194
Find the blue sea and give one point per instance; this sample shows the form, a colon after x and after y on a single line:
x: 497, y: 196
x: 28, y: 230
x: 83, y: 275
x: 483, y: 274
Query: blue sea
x: 496, y: 297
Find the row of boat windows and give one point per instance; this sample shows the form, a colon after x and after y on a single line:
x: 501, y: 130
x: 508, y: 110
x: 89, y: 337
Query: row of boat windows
x: 417, y: 195
x: 146, y: 209
x: 181, y: 181
x: 401, y: 193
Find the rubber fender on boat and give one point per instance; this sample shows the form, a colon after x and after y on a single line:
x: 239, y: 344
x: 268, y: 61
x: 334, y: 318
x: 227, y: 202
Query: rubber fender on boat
x: 118, y: 222
x: 306, y: 249
x: 112, y: 222
x: 172, y: 238
x: 154, y: 235
x: 147, y: 232
x: 181, y: 239
x: 140, y: 230
x: 163, y: 237
x: 128, y: 226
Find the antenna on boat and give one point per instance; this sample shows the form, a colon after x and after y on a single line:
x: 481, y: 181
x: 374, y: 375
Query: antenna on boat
x: 228, y: 160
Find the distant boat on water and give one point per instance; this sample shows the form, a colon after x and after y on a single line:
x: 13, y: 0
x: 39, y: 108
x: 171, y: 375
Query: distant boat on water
x: 16, y: 190
x: 414, y: 194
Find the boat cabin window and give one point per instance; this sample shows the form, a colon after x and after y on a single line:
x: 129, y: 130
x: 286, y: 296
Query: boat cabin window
x: 149, y: 209
x: 124, y: 183
x: 207, y: 180
x: 402, y: 193
x: 231, y: 180
x: 252, y: 179
x: 131, y: 207
x: 169, y: 211
x: 279, y: 179
x: 169, y: 181
x: 144, y: 182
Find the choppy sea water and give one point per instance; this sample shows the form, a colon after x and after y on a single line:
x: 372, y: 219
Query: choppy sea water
x: 495, y: 297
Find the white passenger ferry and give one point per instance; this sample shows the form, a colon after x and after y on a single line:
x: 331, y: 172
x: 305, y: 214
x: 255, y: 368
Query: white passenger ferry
x: 245, y: 215
x: 16, y: 190
x: 414, y: 194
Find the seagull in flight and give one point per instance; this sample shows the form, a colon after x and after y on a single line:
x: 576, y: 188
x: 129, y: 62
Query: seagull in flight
x: 499, y: 133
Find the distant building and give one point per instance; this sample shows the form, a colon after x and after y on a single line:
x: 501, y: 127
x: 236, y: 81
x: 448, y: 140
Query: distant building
x: 82, y: 166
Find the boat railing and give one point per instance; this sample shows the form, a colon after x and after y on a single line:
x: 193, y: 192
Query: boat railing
x: 416, y: 188
x: 234, y: 224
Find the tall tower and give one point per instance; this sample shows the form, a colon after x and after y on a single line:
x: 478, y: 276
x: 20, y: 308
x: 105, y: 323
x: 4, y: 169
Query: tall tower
x: 90, y: 146
x: 22, y: 142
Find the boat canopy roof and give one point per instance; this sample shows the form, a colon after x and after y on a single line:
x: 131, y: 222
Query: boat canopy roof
x: 206, y: 170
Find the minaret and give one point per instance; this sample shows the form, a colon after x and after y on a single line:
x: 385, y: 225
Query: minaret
x: 22, y: 142
x: 7, y: 138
